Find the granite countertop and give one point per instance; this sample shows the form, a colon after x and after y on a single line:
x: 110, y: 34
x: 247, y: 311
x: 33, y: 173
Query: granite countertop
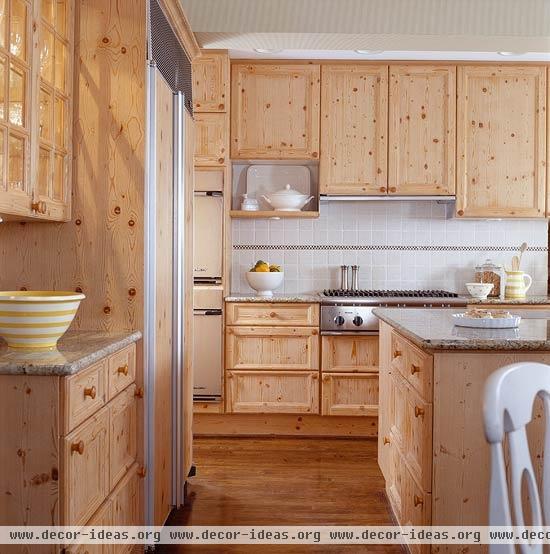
x: 529, y: 300
x: 75, y: 351
x: 433, y: 329
x: 296, y: 298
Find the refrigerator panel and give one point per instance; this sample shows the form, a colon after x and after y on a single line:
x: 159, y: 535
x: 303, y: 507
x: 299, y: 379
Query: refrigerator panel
x: 208, y: 237
x: 207, y: 356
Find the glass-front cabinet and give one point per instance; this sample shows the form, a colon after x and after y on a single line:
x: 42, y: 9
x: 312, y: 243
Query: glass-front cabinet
x: 36, y: 56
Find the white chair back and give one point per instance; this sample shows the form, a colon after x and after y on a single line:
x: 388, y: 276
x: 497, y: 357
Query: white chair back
x: 508, y: 406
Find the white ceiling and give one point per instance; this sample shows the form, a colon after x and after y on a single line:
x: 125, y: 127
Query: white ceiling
x: 336, y: 27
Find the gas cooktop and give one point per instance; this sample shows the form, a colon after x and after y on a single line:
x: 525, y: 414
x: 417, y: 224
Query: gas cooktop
x: 391, y: 297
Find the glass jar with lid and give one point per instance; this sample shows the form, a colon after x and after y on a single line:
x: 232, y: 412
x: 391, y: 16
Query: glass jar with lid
x: 490, y: 272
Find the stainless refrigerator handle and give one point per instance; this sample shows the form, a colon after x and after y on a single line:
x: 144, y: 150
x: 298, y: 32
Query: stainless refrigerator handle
x: 207, y: 312
x: 211, y: 193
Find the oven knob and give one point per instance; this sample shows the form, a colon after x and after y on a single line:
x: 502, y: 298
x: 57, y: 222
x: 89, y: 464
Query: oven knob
x: 358, y: 321
x: 339, y: 320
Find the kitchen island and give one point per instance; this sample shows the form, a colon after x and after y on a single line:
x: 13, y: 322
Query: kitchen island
x: 431, y: 445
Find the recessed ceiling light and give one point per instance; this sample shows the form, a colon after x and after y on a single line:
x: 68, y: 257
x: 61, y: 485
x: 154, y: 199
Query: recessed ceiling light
x: 267, y: 50
x: 371, y: 52
x: 511, y: 53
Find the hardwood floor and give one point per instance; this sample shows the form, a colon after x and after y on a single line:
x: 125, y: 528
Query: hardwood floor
x: 275, y: 481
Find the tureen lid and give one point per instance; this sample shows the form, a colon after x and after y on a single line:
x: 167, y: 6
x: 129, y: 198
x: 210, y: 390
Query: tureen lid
x: 287, y: 191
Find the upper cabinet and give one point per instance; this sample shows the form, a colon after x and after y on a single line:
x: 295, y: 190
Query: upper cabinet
x: 501, y: 141
x: 211, y: 82
x: 275, y: 111
x: 354, y: 122
x: 422, y: 130
x: 36, y: 59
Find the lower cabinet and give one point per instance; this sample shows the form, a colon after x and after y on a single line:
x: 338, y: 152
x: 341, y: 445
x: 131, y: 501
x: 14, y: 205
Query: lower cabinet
x: 349, y: 394
x: 294, y: 392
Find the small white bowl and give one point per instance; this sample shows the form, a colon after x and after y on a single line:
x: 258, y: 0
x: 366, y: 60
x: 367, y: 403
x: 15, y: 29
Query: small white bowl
x: 479, y: 290
x: 264, y: 283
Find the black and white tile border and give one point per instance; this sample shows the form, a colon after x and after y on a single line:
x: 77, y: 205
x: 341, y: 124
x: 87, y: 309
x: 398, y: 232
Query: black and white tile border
x: 430, y: 248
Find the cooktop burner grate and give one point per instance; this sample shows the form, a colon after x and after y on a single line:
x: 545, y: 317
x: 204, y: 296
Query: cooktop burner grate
x: 335, y: 293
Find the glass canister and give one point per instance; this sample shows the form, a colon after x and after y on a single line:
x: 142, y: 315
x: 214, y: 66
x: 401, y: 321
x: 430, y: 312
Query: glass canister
x: 489, y: 272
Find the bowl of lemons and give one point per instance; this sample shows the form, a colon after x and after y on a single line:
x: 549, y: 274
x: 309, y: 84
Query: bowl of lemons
x: 264, y: 278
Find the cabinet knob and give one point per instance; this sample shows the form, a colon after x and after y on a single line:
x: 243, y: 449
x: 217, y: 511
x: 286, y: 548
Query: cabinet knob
x: 414, y: 369
x: 393, y: 189
x: 386, y: 440
x: 142, y: 472
x: 418, y: 411
x: 123, y: 369
x: 90, y: 391
x: 39, y: 207
x: 78, y: 447
x: 382, y: 189
x: 418, y: 501
x: 139, y: 392
x: 460, y: 212
x: 396, y: 353
x: 273, y: 314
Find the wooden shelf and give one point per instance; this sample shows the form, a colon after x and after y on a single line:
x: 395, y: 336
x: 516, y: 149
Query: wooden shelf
x: 271, y: 214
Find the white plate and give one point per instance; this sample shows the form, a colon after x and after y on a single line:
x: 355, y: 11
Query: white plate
x: 462, y: 320
x: 265, y: 179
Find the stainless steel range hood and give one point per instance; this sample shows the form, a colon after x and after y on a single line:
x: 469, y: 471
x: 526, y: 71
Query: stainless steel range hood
x: 393, y: 197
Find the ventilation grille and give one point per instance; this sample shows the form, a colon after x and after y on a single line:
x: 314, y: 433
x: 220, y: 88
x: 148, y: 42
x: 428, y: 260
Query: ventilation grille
x: 169, y: 55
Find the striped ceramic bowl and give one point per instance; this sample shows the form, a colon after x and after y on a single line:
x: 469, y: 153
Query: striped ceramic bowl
x: 36, y: 319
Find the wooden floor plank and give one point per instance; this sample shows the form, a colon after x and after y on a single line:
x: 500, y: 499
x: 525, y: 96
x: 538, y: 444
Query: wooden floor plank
x: 284, y: 481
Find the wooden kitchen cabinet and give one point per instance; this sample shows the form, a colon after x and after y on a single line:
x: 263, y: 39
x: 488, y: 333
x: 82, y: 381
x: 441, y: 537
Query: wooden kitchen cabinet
x: 275, y: 111
x: 211, y: 139
x: 36, y: 61
x: 501, y: 141
x: 349, y: 394
x: 422, y: 123
x: 211, y: 82
x: 285, y: 392
x: 350, y: 353
x: 273, y: 314
x: 354, y: 129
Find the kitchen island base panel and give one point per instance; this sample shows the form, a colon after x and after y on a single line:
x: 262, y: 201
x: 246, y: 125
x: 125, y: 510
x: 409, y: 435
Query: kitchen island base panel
x: 242, y: 425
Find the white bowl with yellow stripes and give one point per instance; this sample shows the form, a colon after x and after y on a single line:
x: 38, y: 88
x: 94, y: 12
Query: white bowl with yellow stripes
x: 36, y: 319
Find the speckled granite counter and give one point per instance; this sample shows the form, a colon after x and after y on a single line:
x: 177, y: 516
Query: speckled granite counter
x: 295, y: 298
x: 530, y: 300
x: 76, y: 351
x: 433, y: 329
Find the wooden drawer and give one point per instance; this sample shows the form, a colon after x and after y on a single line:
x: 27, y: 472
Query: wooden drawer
x: 285, y: 392
x: 288, y: 315
x: 272, y: 348
x: 127, y: 501
x: 416, y: 509
x: 85, y: 476
x: 122, y: 370
x: 415, y: 365
x: 102, y: 518
x: 123, y: 434
x: 349, y: 354
x: 349, y: 394
x: 83, y: 395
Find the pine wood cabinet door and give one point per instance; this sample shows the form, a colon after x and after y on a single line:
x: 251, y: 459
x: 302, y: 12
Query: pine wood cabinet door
x: 349, y: 394
x: 354, y: 129
x: 211, y: 140
x: 271, y: 348
x: 501, y: 141
x: 349, y: 354
x: 283, y: 392
x: 85, y: 482
x: 422, y: 116
x: 211, y: 82
x: 385, y: 402
x: 275, y: 111
x: 127, y: 500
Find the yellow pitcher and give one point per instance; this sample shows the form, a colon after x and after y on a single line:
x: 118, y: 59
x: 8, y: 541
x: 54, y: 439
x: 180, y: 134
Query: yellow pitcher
x: 516, y: 287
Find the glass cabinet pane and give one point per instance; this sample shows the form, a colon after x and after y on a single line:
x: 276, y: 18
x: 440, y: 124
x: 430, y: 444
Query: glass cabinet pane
x: 45, y: 108
x: 60, y: 63
x: 59, y: 177
x: 46, y: 54
x: 3, y: 70
x: 18, y: 29
x: 59, y: 122
x: 61, y: 17
x: 44, y: 171
x: 16, y: 96
x: 3, y: 21
x: 47, y: 11
x: 16, y: 163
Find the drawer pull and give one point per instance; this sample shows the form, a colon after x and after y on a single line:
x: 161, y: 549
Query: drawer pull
x: 123, y: 369
x: 78, y: 447
x: 414, y: 369
x: 418, y: 501
x: 142, y: 472
x: 139, y: 392
x: 418, y: 411
x: 386, y: 440
x: 273, y: 314
x: 90, y: 391
x: 396, y: 353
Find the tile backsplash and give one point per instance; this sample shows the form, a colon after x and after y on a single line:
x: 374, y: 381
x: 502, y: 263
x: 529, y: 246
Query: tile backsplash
x: 397, y: 244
